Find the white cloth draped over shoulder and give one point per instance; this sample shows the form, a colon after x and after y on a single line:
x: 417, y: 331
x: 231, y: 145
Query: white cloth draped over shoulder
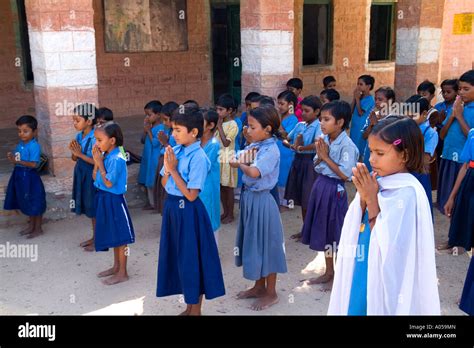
x: 401, y: 276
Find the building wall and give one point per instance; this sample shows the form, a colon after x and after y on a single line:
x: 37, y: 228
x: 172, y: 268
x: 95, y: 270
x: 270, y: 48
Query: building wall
x: 457, y: 50
x: 350, y: 50
x: 16, y: 99
x: 164, y: 76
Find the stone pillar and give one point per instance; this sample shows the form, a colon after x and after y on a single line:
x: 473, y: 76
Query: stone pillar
x: 267, y: 28
x: 63, y: 55
x: 419, y: 26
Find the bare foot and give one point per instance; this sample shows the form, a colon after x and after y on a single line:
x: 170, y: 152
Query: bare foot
x: 148, y: 207
x: 443, y: 246
x: 34, y: 234
x: 115, y: 279
x: 283, y: 209
x: 296, y: 236
x: 325, y: 278
x: 108, y: 272
x: 26, y: 231
x: 90, y: 247
x: 265, y: 302
x: 87, y: 242
x: 186, y: 312
x: 251, y: 293
x: 195, y: 310
x: 326, y: 287
x: 228, y: 220
x: 223, y: 217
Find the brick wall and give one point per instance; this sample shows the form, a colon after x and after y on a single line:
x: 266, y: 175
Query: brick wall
x: 350, y: 52
x: 457, y: 50
x: 15, y: 98
x: 156, y: 75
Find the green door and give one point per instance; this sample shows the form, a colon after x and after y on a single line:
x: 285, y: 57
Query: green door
x: 235, y: 71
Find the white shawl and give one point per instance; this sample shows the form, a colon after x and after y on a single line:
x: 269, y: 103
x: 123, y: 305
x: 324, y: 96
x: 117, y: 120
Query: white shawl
x: 401, y: 264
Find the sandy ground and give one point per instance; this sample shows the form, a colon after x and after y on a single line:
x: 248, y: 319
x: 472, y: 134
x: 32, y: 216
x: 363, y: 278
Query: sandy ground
x: 63, y: 278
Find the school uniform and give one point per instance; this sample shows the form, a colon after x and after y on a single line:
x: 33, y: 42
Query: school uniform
x: 260, y: 240
x: 357, y: 122
x: 286, y: 155
x: 467, y: 297
x: 113, y: 226
x: 210, y: 194
x: 453, y: 146
x: 188, y: 261
x: 366, y: 153
x: 150, y: 156
x: 461, y: 230
x: 83, y: 190
x: 159, y: 193
x: 302, y: 174
x: 238, y: 146
x: 328, y: 200
x: 430, y: 142
x: 395, y: 283
x: 25, y: 190
x: 229, y: 176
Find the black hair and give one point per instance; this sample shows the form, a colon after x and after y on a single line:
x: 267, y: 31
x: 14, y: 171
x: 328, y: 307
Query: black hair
x: 327, y: 80
x: 106, y: 114
x: 113, y: 130
x: 263, y: 100
x: 289, y: 97
x: 155, y: 106
x: 169, y: 108
x: 267, y: 115
x: 226, y: 101
x: 191, y: 101
x: 453, y: 83
x: 248, y: 97
x: 419, y: 103
x: 468, y: 77
x: 331, y: 94
x: 295, y: 83
x: 191, y: 118
x: 313, y: 102
x: 87, y: 111
x: 28, y: 120
x: 407, y: 137
x: 211, y: 116
x: 388, y: 92
x: 426, y: 86
x: 368, y: 80
x: 340, y: 110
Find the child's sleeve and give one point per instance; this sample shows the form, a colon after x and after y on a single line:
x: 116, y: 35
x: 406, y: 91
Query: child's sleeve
x: 232, y: 131
x: 198, y: 170
x: 348, y: 157
x: 266, y: 161
x: 467, y: 154
x: 114, y: 167
x: 431, y: 142
x: 34, y: 154
x: 292, y: 134
x: 154, y: 135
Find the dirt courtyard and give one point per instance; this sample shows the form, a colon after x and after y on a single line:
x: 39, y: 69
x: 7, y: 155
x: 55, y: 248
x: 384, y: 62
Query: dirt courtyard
x: 62, y: 278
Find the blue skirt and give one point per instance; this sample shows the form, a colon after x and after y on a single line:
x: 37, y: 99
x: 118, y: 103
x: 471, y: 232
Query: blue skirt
x: 325, y: 216
x: 260, y: 241
x: 461, y: 230
x: 300, y: 179
x: 113, y: 227
x: 448, y: 172
x: 467, y: 298
x: 25, y: 191
x: 188, y: 261
x: 83, y: 189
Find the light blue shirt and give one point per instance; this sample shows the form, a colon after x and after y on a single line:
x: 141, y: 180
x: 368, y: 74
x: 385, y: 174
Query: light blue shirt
x: 467, y: 154
x: 343, y: 152
x: 455, y: 138
x: 87, y: 142
x: 443, y: 106
x: 28, y: 152
x: 430, y: 136
x: 310, y: 133
x: 171, y: 141
x: 267, y: 161
x: 210, y: 195
x: 193, y: 167
x: 115, y: 165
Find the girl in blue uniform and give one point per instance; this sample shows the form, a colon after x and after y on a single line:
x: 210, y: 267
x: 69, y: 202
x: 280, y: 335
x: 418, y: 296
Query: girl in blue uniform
x: 83, y: 190
x: 210, y: 194
x: 25, y: 189
x: 362, y: 106
x: 151, y: 150
x: 188, y: 261
x: 114, y: 228
x: 336, y: 154
x: 260, y: 243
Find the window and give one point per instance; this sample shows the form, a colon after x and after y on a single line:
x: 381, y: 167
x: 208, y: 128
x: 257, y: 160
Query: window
x: 382, y: 28
x: 317, y: 33
x: 24, y: 42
